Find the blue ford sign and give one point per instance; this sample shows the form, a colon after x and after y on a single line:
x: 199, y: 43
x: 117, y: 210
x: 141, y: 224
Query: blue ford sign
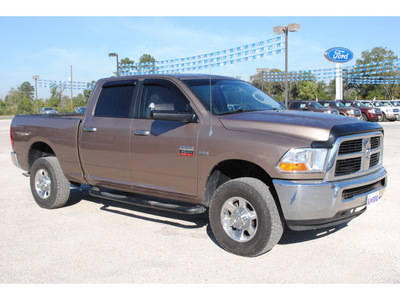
x: 339, y: 55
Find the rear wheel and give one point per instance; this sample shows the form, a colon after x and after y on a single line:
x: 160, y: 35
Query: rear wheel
x: 244, y: 217
x: 49, y: 187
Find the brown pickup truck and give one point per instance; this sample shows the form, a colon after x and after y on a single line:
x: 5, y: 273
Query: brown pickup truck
x: 198, y: 143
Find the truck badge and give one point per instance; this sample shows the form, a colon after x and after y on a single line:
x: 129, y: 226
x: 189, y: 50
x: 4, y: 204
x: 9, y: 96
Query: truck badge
x: 186, y: 151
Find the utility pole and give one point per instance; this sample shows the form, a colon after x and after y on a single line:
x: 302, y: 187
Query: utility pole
x: 71, y: 92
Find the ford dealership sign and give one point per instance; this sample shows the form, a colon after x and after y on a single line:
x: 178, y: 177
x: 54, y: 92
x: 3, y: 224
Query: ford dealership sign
x: 339, y: 55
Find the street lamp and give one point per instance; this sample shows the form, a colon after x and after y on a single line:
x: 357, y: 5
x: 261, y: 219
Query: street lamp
x: 115, y: 55
x: 280, y: 30
x: 36, y: 77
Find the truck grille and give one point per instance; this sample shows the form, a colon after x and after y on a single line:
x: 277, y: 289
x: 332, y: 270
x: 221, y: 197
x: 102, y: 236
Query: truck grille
x: 355, y: 155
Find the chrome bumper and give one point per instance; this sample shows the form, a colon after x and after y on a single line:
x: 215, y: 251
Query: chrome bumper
x: 318, y: 204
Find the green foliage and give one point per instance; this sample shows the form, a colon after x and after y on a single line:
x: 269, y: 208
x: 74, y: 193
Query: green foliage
x: 308, y: 90
x: 2, y: 107
x: 384, y: 91
x: 25, y: 106
x: 146, y: 58
x: 126, y: 60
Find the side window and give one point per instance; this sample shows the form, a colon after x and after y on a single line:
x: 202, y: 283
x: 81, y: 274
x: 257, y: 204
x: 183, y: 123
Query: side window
x: 115, y: 101
x: 161, y: 98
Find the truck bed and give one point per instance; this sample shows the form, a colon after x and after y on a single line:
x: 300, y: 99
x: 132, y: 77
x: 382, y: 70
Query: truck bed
x: 58, y: 131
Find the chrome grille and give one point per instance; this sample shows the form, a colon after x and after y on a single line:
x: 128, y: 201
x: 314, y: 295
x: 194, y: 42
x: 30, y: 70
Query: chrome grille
x: 350, y: 146
x: 355, y: 155
x: 347, y: 166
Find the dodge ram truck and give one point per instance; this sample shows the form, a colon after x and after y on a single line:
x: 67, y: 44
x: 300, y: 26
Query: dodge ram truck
x: 206, y: 144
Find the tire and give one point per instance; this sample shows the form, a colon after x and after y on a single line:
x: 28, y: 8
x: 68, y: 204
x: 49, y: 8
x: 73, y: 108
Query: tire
x: 364, y: 117
x: 244, y: 217
x: 49, y: 187
x: 384, y: 119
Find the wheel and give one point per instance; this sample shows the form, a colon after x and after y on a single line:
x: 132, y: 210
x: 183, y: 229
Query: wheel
x: 364, y: 117
x: 384, y: 119
x: 49, y: 187
x: 244, y: 217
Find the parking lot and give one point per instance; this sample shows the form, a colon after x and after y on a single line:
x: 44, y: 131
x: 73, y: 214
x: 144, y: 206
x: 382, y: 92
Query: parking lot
x: 96, y: 241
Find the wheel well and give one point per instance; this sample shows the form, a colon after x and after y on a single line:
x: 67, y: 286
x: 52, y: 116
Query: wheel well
x: 38, y: 150
x: 233, y: 169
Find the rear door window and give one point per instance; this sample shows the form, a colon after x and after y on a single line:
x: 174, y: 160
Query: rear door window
x: 116, y: 99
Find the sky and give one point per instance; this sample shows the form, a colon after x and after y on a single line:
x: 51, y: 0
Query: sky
x: 48, y: 44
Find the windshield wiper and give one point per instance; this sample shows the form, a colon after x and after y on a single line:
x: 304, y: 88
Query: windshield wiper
x: 237, y: 111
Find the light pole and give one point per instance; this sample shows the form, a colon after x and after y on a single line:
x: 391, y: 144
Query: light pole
x: 36, y: 77
x: 294, y: 27
x: 115, y: 55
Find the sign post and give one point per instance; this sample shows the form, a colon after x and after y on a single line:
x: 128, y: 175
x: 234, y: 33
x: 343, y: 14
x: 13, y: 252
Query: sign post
x: 339, y: 56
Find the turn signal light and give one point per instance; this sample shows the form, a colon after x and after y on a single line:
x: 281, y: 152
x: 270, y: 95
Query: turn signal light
x: 293, y: 167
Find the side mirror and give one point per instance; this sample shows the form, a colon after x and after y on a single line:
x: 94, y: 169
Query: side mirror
x: 162, y: 115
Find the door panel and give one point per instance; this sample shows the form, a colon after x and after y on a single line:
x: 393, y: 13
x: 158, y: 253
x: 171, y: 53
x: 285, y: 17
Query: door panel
x: 166, y: 158
x: 164, y: 153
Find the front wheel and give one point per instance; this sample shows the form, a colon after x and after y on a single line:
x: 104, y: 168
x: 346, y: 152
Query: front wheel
x: 49, y: 186
x: 244, y: 217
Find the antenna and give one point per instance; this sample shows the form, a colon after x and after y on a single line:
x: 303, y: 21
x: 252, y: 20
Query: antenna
x: 211, y: 115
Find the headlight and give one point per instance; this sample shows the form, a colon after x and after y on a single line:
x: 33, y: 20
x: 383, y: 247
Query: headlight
x: 351, y: 111
x: 306, y: 160
x: 372, y: 111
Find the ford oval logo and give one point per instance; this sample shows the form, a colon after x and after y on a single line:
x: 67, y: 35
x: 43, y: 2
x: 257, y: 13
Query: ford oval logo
x: 339, y: 55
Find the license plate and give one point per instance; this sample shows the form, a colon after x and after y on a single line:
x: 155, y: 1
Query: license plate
x: 372, y: 199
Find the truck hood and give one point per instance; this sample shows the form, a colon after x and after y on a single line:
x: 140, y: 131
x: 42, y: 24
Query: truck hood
x: 310, y: 126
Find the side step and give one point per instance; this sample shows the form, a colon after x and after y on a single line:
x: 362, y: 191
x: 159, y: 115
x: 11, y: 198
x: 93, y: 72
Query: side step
x: 182, y: 209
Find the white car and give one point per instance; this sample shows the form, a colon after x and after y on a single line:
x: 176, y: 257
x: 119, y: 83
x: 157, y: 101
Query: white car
x: 48, y: 110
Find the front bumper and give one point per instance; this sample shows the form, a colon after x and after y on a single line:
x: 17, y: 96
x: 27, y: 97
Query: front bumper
x: 317, y: 204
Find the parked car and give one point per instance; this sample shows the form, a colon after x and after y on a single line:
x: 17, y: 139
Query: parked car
x: 388, y: 113
x: 367, y: 113
x: 80, y: 110
x: 343, y: 110
x: 309, y: 105
x: 48, y: 110
x: 396, y: 110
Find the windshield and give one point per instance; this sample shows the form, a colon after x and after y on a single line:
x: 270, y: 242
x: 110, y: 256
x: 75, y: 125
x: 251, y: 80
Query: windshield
x: 314, y: 104
x: 377, y: 104
x: 358, y: 104
x: 395, y: 103
x: 230, y: 96
x: 337, y: 104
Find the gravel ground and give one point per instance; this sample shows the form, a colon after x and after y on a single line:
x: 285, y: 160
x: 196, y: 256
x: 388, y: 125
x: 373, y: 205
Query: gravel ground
x: 96, y: 241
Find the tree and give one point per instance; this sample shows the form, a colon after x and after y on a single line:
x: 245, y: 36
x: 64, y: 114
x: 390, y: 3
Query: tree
x: 308, y: 90
x: 25, y: 106
x: 2, y: 107
x: 26, y: 90
x: 126, y: 60
x: 146, y: 58
x: 55, y: 99
x: 382, y: 91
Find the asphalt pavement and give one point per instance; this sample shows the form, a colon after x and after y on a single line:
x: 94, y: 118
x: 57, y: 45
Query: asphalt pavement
x: 96, y: 241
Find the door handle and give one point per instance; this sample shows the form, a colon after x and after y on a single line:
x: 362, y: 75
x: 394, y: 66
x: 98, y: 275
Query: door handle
x: 90, y: 129
x: 142, y: 132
